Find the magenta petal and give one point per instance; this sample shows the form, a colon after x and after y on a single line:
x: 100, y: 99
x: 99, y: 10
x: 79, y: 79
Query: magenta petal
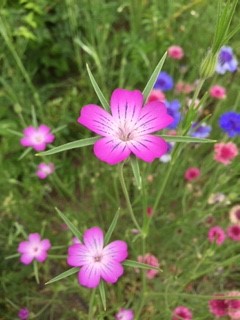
x: 26, y: 258
x: 39, y: 146
x: 148, y: 147
x: 45, y: 244
x: 26, y: 142
x: 78, y: 255
x: 116, y: 250
x: 49, y: 138
x: 89, y: 276
x: 93, y: 239
x: 97, y: 120
x: 111, y: 150
x: 34, y: 237
x: 111, y: 271
x: 44, y: 129
x: 42, y: 256
x: 24, y: 246
x: 29, y: 131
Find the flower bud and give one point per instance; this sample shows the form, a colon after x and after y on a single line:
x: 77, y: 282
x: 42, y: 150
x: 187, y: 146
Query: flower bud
x: 208, y: 66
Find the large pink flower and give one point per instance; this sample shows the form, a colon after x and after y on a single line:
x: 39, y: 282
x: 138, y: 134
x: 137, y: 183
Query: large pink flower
x: 97, y: 262
x: 129, y: 127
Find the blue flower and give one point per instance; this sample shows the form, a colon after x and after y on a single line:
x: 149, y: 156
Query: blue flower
x: 164, y: 82
x: 173, y: 110
x: 226, y: 61
x: 200, y: 130
x: 229, y: 122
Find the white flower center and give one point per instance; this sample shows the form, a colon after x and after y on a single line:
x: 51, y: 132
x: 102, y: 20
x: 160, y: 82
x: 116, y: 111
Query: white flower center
x: 97, y: 258
x: 38, y: 138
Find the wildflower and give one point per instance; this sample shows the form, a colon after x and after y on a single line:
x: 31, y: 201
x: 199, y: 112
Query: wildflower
x: 183, y: 87
x: 216, y: 234
x: 173, y: 110
x: 216, y: 198
x: 192, y: 173
x: 175, y: 52
x: 181, y: 313
x: 95, y: 261
x: 229, y: 122
x: 164, y: 82
x: 149, y: 211
x: 195, y: 103
x: 234, y: 214
x: 125, y: 314
x: 156, y: 95
x: 225, y: 152
x: 234, y: 305
x: 37, y: 138
x: 218, y: 92
x: 200, y: 130
x: 44, y: 170
x: 234, y: 232
x: 128, y: 130
x: 151, y: 260
x: 218, y: 307
x: 226, y: 61
x: 23, y: 314
x: 34, y: 249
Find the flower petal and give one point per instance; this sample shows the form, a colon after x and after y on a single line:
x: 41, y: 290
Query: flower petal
x: 26, y: 142
x: 43, y: 129
x: 116, y: 250
x: 29, y: 131
x: 24, y: 246
x: 89, y: 276
x: 26, y: 258
x: 42, y: 256
x: 45, y: 244
x: 111, y: 150
x: 39, y: 146
x: 93, y: 239
x: 97, y: 120
x: 148, y: 147
x: 78, y: 255
x: 49, y: 138
x: 111, y: 271
x: 34, y: 237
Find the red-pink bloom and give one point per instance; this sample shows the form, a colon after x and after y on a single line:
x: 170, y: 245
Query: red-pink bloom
x: 234, y: 305
x: 234, y: 232
x: 156, y: 95
x: 192, y: 174
x: 225, y: 152
x: 128, y: 128
x: 34, y: 249
x: 151, y: 260
x: 97, y: 262
x: 218, y: 307
x: 218, y: 92
x: 149, y: 211
x: 183, y: 87
x: 176, y: 52
x: 44, y: 170
x: 216, y: 234
x: 125, y: 314
x: 182, y: 313
x: 23, y: 314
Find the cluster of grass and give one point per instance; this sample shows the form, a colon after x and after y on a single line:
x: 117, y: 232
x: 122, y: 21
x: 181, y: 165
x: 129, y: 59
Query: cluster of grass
x: 45, y: 46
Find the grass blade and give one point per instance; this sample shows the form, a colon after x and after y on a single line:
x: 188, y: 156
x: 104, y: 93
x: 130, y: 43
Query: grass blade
x: 135, y: 264
x: 112, y: 226
x: 69, y: 224
x: 136, y: 172
x: 35, y: 270
x: 24, y: 153
x: 63, y: 275
x: 186, y: 139
x: 103, y: 295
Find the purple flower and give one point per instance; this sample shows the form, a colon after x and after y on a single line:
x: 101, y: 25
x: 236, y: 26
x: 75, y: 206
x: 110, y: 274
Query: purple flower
x: 37, y: 138
x: 128, y: 128
x: 124, y: 314
x: 34, y: 249
x: 200, y: 130
x: 173, y: 110
x: 44, y: 170
x: 164, y: 82
x: 226, y: 61
x: 96, y: 261
x: 23, y: 314
x: 229, y: 122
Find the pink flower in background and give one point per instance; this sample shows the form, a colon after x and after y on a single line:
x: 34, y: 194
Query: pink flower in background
x: 149, y: 211
x: 44, y: 170
x: 182, y: 313
x: 218, y: 92
x: 192, y: 174
x: 183, y: 87
x: 216, y: 234
x: 95, y: 261
x: 152, y: 261
x: 34, y: 249
x: 176, y: 52
x: 37, y: 138
x: 218, y: 307
x: 156, y: 95
x: 129, y: 127
x: 125, y: 314
x: 234, y: 232
x: 234, y: 214
x: 234, y: 305
x: 23, y: 314
x: 225, y: 152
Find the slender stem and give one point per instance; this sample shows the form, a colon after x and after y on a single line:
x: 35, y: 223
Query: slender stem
x: 142, y: 300
x: 91, y: 305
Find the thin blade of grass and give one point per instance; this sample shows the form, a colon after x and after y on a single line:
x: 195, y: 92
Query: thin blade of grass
x: 112, y: 226
x: 135, y: 264
x: 63, y: 275
x: 136, y: 172
x: 24, y: 153
x: 69, y: 224
x: 103, y: 295
x: 186, y: 139
x: 35, y: 270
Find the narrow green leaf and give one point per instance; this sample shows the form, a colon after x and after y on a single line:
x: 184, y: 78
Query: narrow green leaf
x: 35, y: 270
x: 70, y: 145
x: 69, y: 224
x: 136, y: 172
x: 19, y: 134
x: 59, y: 128
x: 34, y: 117
x: 186, y: 139
x: 97, y: 90
x: 103, y: 295
x: 135, y: 264
x: 16, y: 255
x: 63, y: 275
x: 112, y: 226
x: 24, y: 153
x: 153, y: 78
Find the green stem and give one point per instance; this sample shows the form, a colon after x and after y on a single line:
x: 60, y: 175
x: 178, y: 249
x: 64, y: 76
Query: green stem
x: 91, y: 311
x: 142, y: 300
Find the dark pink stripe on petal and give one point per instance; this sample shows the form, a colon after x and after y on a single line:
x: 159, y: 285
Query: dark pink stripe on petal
x: 93, y: 239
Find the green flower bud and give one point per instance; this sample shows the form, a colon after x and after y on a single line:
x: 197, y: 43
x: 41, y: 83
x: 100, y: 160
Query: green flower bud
x: 208, y: 66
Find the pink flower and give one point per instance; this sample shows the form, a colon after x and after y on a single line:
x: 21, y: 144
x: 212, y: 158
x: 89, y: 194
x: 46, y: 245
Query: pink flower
x: 37, y: 138
x: 156, y: 95
x: 218, y: 307
x: 192, y: 174
x: 182, y: 313
x: 225, y: 152
x: 234, y: 232
x: 128, y: 128
x: 217, y: 92
x: 234, y: 305
x: 23, y: 314
x: 216, y: 234
x: 34, y: 249
x: 44, y: 170
x: 149, y: 211
x: 176, y: 52
x: 234, y: 214
x: 125, y: 314
x: 182, y: 87
x: 151, y: 260
x: 97, y: 262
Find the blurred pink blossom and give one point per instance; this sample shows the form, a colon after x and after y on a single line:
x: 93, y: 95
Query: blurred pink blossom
x: 181, y: 313
x: 216, y: 234
x: 225, y: 152
x: 44, y: 170
x: 156, y: 95
x: 151, y: 260
x: 124, y: 314
x: 218, y: 92
x: 192, y: 173
x: 234, y: 232
x: 218, y: 307
x: 175, y: 52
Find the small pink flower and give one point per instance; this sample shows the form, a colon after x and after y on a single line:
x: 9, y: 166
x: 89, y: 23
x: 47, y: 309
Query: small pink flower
x: 125, y: 314
x: 23, y: 314
x: 234, y: 305
x: 234, y: 232
x: 182, y: 313
x: 216, y: 234
x: 37, y: 138
x: 176, y: 52
x: 234, y: 215
x: 192, y: 174
x: 218, y: 92
x: 95, y: 261
x: 34, y: 249
x: 183, y: 87
x: 218, y: 307
x: 225, y: 152
x: 151, y: 260
x: 149, y: 211
x: 44, y: 170
x: 156, y: 95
